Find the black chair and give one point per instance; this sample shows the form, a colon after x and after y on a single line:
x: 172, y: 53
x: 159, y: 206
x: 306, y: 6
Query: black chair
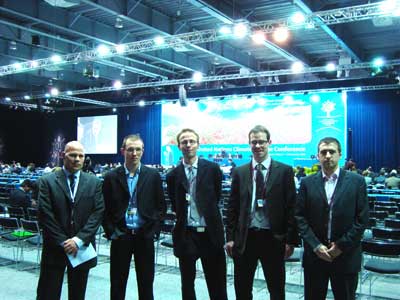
x: 397, y: 214
x: 16, y: 212
x: 379, y: 215
x: 10, y: 233
x: 36, y: 240
x: 383, y: 257
x: 32, y: 214
x: 386, y: 233
x: 165, y: 239
x: 391, y: 209
x: 372, y: 222
x: 392, y: 223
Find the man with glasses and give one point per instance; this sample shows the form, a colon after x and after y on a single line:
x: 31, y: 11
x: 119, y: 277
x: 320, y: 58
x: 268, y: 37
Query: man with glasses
x: 194, y: 188
x: 135, y: 206
x: 260, y: 219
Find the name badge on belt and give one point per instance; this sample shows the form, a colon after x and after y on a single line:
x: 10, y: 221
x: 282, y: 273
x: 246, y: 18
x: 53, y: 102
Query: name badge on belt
x: 188, y: 197
x: 260, y: 203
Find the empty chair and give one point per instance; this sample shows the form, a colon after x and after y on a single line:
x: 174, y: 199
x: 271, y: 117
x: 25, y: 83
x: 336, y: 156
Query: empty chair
x: 372, y: 222
x: 383, y: 257
x: 379, y: 215
x: 392, y: 223
x: 386, y: 233
x: 16, y: 212
x: 11, y: 233
x: 36, y: 239
x: 32, y: 213
x: 397, y: 214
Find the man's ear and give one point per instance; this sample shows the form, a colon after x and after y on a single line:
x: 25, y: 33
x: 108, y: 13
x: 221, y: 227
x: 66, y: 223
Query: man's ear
x: 62, y: 155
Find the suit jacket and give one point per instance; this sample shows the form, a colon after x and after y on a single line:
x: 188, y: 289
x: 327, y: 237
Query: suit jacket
x: 150, y: 201
x: 208, y: 195
x: 280, y: 199
x: 349, y: 220
x: 18, y: 198
x: 62, y: 219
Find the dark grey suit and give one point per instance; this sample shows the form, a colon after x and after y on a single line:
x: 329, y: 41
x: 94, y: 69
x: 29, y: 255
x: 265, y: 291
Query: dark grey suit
x: 61, y: 219
x: 349, y: 220
x: 151, y: 207
x: 280, y: 199
x: 189, y: 245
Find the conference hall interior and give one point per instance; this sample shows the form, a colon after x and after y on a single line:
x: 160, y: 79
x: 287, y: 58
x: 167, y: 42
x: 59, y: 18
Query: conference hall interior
x: 96, y: 71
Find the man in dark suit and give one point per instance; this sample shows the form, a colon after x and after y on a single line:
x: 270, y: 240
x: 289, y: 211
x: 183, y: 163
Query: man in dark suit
x: 332, y: 214
x: 194, y: 188
x: 70, y: 211
x: 21, y: 197
x: 135, y: 206
x: 260, y: 219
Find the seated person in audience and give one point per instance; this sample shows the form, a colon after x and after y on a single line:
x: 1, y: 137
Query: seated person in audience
x: 21, y: 197
x: 381, y: 178
x: 392, y: 182
x: 367, y: 178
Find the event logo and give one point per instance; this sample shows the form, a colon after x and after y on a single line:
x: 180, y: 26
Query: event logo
x: 328, y: 121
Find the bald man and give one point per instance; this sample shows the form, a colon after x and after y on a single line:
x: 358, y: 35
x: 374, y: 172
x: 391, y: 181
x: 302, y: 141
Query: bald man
x: 70, y: 211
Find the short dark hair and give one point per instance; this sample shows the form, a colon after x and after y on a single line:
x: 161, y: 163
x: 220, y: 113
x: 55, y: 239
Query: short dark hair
x: 133, y: 137
x: 329, y: 140
x: 27, y: 183
x: 187, y: 130
x: 260, y: 128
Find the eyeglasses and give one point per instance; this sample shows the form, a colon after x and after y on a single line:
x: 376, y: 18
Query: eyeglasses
x: 259, y: 142
x: 188, y: 142
x: 131, y: 150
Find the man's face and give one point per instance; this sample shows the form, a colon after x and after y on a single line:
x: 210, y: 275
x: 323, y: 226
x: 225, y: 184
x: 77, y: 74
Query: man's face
x: 259, y: 146
x: 73, y: 157
x: 188, y: 144
x: 133, y: 152
x: 329, y: 155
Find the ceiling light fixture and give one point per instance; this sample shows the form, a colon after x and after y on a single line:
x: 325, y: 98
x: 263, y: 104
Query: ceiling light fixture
x: 118, y: 23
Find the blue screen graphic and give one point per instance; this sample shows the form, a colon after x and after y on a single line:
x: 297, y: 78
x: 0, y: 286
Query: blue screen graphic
x: 296, y: 123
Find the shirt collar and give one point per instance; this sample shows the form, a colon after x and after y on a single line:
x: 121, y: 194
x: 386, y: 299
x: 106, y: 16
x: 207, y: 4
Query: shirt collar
x: 266, y: 163
x: 127, y: 173
x: 67, y: 173
x: 335, y: 175
x: 194, y: 165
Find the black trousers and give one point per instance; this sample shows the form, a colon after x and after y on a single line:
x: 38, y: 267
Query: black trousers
x: 51, y: 280
x: 213, y: 262
x: 121, y: 253
x: 343, y: 286
x: 260, y: 245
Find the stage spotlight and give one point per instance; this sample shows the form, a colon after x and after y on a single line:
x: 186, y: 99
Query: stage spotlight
x: 117, y: 84
x: 120, y: 48
x: 197, y: 77
x: 297, y: 67
x: 330, y: 67
x: 103, y: 50
x: 281, y: 34
x: 298, y: 18
x: 56, y: 58
x: 258, y: 37
x: 240, y: 30
x: 159, y: 40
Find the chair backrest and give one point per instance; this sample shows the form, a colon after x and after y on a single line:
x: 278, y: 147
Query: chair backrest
x: 397, y: 215
x: 380, y: 215
x: 381, y: 247
x: 33, y: 213
x: 386, y: 233
x: 16, y: 212
x: 9, y: 223
x: 392, y: 223
x: 372, y: 222
x: 31, y: 226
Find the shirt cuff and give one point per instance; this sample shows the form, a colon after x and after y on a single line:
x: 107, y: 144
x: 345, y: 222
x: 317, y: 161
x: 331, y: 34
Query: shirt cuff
x: 78, y: 241
x: 316, y: 248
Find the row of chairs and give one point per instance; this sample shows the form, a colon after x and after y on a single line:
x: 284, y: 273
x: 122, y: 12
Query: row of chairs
x: 20, y: 233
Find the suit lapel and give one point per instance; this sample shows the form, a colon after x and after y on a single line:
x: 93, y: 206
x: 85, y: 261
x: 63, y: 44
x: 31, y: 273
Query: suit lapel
x: 61, y: 180
x: 181, y: 177
x: 201, y: 171
x: 272, y: 174
x: 248, y: 181
x: 122, y: 179
x: 320, y: 186
x: 143, y: 175
x: 341, y: 186
x: 81, y: 186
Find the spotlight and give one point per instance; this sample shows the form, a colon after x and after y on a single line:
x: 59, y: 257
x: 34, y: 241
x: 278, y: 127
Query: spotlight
x: 34, y: 64
x: 240, y: 30
x: 27, y: 97
x: 120, y: 48
x: 141, y: 103
x: 197, y: 77
x: 7, y: 98
x: 103, y: 50
x: 114, y: 109
x: 330, y: 67
x: 159, y: 40
x: 56, y: 58
x: 297, y: 67
x: 225, y: 30
x: 258, y: 37
x: 281, y: 34
x: 298, y: 18
x: 17, y: 66
x: 12, y: 45
x: 54, y: 92
x: 69, y: 93
x: 118, y: 23
x: 117, y: 84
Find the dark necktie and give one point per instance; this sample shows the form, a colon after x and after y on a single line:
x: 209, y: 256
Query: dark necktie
x: 259, y: 182
x: 72, y: 182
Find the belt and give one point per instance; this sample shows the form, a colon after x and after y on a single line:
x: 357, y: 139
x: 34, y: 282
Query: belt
x: 196, y: 228
x: 134, y: 231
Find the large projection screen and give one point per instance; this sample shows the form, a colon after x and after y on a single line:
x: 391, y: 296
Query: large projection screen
x: 296, y: 123
x: 98, y: 134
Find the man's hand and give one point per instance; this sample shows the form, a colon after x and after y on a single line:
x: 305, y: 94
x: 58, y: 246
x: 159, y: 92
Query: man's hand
x: 229, y: 248
x: 288, y: 251
x: 322, y: 253
x: 70, y: 247
x: 334, y: 250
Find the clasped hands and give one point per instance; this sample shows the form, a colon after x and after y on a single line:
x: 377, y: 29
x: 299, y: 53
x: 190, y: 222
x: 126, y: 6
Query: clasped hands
x: 328, y: 254
x: 70, y: 247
